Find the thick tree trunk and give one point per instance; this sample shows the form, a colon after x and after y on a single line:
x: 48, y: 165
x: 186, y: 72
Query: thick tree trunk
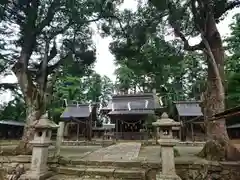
x: 218, y: 146
x: 34, y: 102
x: 33, y: 116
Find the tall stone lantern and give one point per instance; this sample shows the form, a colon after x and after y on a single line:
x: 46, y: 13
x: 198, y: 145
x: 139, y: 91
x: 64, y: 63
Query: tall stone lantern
x: 167, y: 143
x: 41, y: 142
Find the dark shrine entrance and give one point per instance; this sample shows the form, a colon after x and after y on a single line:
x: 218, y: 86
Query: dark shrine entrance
x: 129, y: 113
x: 130, y: 127
x: 189, y: 114
x: 79, y: 120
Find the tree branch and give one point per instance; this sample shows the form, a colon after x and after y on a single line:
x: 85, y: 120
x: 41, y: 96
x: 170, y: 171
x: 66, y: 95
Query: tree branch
x: 51, y: 68
x: 60, y: 31
x: 11, y: 86
x: 229, y: 6
x: 25, y: 81
x: 187, y: 47
x: 42, y: 76
x: 49, y: 16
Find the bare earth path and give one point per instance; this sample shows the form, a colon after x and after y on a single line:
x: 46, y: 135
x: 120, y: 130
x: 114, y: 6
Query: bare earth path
x: 122, y: 151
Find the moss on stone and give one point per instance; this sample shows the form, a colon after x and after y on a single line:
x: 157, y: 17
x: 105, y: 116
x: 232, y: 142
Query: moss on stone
x: 175, y: 151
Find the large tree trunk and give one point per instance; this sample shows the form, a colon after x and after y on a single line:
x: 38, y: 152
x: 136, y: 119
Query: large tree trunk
x: 34, y: 102
x: 218, y: 146
x: 32, y: 116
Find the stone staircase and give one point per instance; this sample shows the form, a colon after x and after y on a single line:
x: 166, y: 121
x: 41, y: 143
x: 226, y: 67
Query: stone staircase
x: 118, y: 161
x: 106, y: 172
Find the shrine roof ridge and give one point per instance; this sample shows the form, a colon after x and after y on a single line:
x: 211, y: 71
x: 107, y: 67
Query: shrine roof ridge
x: 187, y: 102
x: 76, y: 111
x: 133, y: 95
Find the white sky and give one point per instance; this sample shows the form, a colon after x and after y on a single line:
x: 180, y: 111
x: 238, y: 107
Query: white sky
x: 105, y: 60
x: 105, y: 64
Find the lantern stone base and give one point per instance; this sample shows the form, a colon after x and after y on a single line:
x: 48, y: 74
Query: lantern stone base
x: 36, y: 176
x: 167, y: 177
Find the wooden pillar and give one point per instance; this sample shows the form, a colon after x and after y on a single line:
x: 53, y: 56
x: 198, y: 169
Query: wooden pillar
x: 181, y: 127
x: 90, y: 128
x: 180, y: 133
x: 116, y: 126
x: 121, y: 129
x: 66, y: 129
x: 86, y: 130
x: 77, y: 131
x: 192, y: 130
x: 156, y: 134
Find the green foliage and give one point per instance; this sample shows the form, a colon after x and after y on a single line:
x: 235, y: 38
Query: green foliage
x: 53, y: 44
x: 86, y: 89
x: 233, y: 90
x: 14, y: 110
x: 144, y: 59
x: 149, y: 120
x: 233, y: 64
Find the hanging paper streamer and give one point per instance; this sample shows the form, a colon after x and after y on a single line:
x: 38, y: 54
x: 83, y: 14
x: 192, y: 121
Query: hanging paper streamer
x: 129, y: 106
x: 146, y: 103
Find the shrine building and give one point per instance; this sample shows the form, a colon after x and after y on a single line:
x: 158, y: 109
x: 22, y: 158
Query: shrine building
x: 79, y: 120
x: 129, y: 113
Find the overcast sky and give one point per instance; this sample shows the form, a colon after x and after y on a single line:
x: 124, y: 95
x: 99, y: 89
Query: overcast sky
x: 105, y: 64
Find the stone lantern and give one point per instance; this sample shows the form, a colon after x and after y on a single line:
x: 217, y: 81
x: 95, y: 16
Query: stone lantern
x: 167, y: 143
x: 41, y: 142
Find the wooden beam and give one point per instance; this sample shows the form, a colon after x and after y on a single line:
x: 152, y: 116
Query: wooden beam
x: 224, y: 116
x: 197, y: 122
x: 192, y: 130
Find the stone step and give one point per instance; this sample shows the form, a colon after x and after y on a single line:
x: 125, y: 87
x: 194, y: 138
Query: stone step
x: 120, y: 164
x: 110, y: 172
x: 65, y: 177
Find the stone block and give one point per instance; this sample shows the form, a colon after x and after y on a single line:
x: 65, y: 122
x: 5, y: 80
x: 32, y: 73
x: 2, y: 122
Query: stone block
x: 167, y: 177
x: 33, y: 176
x: 106, y: 172
x: 129, y: 174
x: 71, y: 170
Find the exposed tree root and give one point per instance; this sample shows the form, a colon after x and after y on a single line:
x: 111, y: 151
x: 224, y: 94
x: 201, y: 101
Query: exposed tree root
x: 220, y: 150
x: 16, y: 173
x: 23, y: 148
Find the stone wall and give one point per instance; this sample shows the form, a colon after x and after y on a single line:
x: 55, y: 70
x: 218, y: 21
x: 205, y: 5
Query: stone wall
x: 203, y: 170
x: 187, y: 169
x: 219, y: 171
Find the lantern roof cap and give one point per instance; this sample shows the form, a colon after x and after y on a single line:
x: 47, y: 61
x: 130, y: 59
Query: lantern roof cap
x: 165, y: 121
x: 44, y: 123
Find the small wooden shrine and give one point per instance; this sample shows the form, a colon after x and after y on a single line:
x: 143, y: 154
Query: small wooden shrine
x: 79, y: 120
x: 10, y: 129
x: 232, y: 121
x: 129, y: 113
x: 190, y: 115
